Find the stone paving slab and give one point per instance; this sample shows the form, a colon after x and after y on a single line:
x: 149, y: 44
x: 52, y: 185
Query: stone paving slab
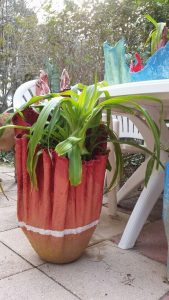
x: 17, y: 241
x: 7, y: 169
x: 108, y: 226
x: 11, y: 263
x: 4, y: 202
x: 9, y: 185
x: 8, y: 219
x: 32, y: 285
x: 103, y: 272
x: 11, y: 195
x: 7, y: 176
x: 107, y: 272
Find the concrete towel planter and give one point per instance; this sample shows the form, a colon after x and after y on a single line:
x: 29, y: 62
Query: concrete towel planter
x: 58, y: 219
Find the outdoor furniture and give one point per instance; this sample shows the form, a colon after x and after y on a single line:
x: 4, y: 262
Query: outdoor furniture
x: 125, y: 129
x: 151, y: 193
x: 24, y: 93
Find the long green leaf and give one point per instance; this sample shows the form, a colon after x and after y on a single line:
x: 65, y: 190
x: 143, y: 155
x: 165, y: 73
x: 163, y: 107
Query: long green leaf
x: 66, y: 146
x: 149, y: 18
x: 75, y: 165
x: 37, y: 131
x: 149, y: 170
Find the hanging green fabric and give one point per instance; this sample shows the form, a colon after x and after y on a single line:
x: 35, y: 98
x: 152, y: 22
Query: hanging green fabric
x: 116, y: 69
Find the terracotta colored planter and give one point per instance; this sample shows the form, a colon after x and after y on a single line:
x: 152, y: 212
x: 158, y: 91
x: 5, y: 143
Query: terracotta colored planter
x: 58, y: 219
x: 7, y: 140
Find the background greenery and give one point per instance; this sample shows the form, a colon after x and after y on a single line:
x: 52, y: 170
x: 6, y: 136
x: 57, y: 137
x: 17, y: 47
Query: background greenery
x: 71, y: 38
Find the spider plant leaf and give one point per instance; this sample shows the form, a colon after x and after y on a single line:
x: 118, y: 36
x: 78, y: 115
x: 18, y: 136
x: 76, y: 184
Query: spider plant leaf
x: 35, y: 99
x: 66, y: 146
x: 118, y: 160
x: 141, y: 147
x: 37, y: 131
x: 121, y: 107
x: 61, y: 132
x: 93, y: 95
x: 149, y: 18
x: 71, y: 93
x: 70, y: 115
x: 149, y: 169
x: 149, y: 37
x: 35, y: 161
x: 53, y: 122
x: 75, y: 165
x: 123, y: 99
x: 82, y: 100
x: 2, y: 128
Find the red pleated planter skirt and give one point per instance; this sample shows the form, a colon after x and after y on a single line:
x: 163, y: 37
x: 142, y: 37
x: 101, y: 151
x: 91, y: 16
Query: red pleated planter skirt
x: 57, y: 218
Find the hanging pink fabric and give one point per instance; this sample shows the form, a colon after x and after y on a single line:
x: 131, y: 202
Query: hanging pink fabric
x: 164, y: 38
x: 64, y: 81
x: 58, y: 219
x: 42, y: 85
x: 7, y: 139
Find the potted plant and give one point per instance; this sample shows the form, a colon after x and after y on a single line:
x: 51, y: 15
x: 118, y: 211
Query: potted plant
x: 61, y: 157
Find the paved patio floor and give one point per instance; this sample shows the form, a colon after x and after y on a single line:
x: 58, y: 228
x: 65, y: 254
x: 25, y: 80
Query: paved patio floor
x: 103, y: 272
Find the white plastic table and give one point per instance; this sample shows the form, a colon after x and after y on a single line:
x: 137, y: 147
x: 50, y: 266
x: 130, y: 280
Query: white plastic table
x: 151, y: 193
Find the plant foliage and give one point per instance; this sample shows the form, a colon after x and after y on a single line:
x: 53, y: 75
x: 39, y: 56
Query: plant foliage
x: 71, y: 123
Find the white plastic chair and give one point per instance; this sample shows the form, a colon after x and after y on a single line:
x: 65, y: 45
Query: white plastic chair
x: 24, y: 93
x: 125, y: 128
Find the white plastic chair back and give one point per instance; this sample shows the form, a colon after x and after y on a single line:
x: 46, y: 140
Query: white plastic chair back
x: 24, y: 93
x: 127, y: 129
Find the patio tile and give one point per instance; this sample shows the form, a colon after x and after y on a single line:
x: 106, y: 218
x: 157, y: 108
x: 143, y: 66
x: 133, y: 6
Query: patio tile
x: 6, y: 169
x: 10, y: 263
x: 8, y: 218
x: 6, y: 176
x: 17, y: 241
x: 10, y: 174
x: 11, y: 195
x: 107, y: 272
x: 33, y: 285
x: 108, y: 226
x: 9, y: 185
x: 7, y: 202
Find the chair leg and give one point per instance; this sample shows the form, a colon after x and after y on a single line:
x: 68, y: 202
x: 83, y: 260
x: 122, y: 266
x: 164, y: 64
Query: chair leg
x: 142, y: 209
x: 133, y: 182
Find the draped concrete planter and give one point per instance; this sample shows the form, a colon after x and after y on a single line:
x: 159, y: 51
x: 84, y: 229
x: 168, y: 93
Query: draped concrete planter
x: 7, y: 139
x: 57, y: 218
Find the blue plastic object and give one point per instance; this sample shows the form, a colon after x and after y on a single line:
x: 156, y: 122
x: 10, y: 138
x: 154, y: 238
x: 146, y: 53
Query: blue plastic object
x: 157, y: 66
x: 117, y: 71
x: 166, y: 210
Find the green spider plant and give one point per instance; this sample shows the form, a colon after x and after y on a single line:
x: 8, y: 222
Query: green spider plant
x: 71, y: 123
x: 156, y: 34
